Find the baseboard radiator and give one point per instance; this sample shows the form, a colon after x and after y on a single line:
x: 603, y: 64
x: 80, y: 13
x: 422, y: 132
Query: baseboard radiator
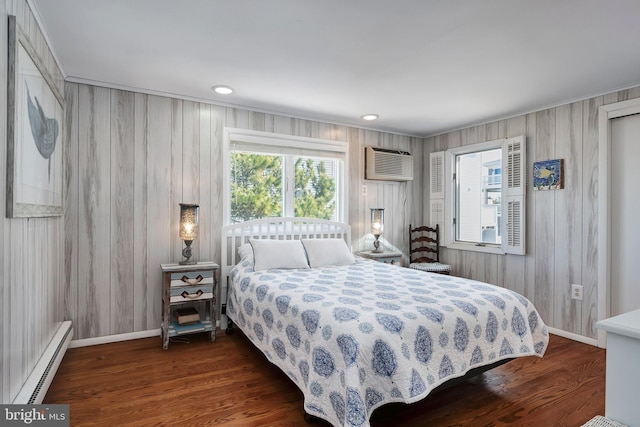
x: 38, y: 382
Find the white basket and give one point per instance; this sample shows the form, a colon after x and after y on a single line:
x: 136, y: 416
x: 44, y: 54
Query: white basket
x: 600, y: 421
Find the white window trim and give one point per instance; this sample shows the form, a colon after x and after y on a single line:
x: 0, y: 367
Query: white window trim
x: 489, y: 248
x: 283, y: 144
x: 508, y: 194
x: 450, y: 203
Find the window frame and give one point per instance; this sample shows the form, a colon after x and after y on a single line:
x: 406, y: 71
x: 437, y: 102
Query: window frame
x: 450, y: 206
x: 285, y: 145
x: 443, y: 200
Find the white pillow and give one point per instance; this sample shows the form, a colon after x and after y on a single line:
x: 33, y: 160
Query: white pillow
x: 283, y: 254
x: 326, y: 252
x: 245, y: 250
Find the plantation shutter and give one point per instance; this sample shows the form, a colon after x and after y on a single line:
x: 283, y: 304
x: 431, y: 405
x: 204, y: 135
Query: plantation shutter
x: 513, y: 191
x: 436, y: 189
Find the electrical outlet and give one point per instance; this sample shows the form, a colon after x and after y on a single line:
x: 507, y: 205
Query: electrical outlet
x: 576, y: 292
x: 364, y: 190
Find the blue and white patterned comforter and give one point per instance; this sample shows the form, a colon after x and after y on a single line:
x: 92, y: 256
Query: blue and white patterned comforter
x: 356, y: 337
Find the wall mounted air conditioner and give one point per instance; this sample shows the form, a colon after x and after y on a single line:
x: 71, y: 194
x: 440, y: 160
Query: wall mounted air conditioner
x: 388, y: 165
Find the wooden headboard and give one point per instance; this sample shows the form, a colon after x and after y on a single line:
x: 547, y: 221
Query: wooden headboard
x: 235, y: 235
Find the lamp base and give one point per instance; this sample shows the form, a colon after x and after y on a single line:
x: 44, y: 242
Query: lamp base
x: 376, y: 245
x: 187, y: 252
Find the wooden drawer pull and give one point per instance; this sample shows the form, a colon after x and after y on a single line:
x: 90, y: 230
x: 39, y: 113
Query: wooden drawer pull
x: 186, y: 294
x: 192, y: 281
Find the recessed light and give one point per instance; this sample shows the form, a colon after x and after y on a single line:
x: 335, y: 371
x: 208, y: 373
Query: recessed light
x: 222, y: 90
x: 370, y: 116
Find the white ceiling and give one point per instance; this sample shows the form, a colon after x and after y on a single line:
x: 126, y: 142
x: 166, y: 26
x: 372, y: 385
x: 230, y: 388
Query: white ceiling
x: 425, y: 66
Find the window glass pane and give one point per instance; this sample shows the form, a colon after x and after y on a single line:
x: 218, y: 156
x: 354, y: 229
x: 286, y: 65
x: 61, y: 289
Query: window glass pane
x: 478, y: 196
x: 256, y: 186
x: 315, y: 188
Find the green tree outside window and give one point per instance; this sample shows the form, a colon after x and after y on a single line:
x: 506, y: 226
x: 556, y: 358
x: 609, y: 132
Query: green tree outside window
x: 256, y: 186
x: 257, y: 189
x: 314, y: 190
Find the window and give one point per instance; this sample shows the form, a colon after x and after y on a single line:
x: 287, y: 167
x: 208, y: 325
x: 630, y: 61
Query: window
x: 478, y: 192
x: 272, y: 175
x: 256, y: 186
x: 477, y: 206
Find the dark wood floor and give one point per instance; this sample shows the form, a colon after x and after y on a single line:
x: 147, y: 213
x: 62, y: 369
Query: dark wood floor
x: 230, y: 383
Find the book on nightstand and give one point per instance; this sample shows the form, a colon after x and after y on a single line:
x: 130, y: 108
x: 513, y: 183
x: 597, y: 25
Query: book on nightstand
x: 187, y: 315
x: 187, y: 329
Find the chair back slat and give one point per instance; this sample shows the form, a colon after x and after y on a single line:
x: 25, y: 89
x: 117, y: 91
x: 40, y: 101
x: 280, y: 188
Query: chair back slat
x: 424, y: 239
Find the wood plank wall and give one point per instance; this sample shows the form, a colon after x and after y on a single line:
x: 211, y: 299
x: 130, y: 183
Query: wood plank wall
x: 32, y: 250
x: 561, y: 227
x: 134, y: 157
x: 150, y: 153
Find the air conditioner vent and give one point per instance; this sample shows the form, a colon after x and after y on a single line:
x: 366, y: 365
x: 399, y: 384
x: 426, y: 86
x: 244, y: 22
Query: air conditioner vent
x: 388, y: 165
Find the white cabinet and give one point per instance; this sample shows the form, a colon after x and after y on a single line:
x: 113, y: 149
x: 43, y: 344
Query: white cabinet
x: 623, y: 368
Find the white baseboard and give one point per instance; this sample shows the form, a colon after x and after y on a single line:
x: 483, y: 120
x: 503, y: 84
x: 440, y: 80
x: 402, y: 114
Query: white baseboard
x: 118, y: 337
x: 114, y: 338
x: 572, y: 336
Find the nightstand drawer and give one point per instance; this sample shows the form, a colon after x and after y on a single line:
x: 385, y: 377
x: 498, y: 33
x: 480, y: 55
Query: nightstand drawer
x: 191, y: 293
x: 192, y: 278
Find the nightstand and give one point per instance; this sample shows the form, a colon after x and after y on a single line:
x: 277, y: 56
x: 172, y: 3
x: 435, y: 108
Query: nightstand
x: 183, y: 284
x: 388, y: 257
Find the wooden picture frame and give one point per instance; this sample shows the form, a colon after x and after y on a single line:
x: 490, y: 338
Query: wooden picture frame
x: 548, y: 175
x: 35, y: 109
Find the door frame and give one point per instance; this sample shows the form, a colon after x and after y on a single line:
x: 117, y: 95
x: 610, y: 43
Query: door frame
x: 606, y: 113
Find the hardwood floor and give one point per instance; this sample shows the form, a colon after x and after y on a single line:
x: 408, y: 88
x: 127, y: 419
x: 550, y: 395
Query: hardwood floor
x: 230, y: 383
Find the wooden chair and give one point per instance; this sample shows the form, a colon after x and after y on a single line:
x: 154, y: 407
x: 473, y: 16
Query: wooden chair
x: 424, y: 250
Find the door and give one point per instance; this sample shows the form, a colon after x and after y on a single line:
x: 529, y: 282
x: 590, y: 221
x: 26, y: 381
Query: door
x: 624, y: 211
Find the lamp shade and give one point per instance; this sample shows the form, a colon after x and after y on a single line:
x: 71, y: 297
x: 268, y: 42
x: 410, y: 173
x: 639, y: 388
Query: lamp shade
x: 377, y: 221
x: 188, y: 221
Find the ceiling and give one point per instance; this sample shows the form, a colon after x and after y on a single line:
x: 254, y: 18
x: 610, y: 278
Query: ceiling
x: 425, y: 66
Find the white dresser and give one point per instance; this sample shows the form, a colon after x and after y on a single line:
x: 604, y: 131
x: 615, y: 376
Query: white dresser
x: 622, y: 403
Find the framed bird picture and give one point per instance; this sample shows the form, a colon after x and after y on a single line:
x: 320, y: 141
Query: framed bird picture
x: 35, y: 172
x: 548, y: 175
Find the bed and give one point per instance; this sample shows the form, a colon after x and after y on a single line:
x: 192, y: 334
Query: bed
x: 354, y: 334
